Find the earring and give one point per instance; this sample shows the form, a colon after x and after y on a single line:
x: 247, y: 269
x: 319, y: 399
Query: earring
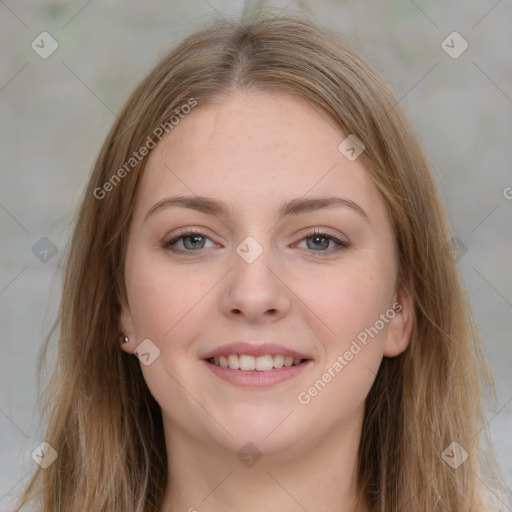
x: 124, y: 338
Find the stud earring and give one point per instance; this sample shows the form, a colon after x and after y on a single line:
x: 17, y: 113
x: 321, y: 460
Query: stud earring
x: 124, y: 338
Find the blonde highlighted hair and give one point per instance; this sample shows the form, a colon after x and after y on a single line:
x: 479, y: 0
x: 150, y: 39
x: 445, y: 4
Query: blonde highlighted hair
x: 102, y: 419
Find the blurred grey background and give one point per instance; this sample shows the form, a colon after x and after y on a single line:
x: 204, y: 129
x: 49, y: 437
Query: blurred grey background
x: 56, y: 109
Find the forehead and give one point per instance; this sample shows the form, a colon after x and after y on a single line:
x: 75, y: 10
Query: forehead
x: 255, y: 150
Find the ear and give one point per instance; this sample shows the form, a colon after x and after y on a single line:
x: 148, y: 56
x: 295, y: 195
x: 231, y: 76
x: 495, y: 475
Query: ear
x: 125, y: 324
x: 400, y: 327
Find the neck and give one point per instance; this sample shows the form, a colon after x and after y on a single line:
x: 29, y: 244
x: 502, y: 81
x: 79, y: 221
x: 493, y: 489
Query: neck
x: 315, y: 477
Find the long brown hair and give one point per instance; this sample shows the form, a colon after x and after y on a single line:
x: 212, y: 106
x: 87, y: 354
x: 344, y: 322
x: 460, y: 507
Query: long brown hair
x: 102, y: 420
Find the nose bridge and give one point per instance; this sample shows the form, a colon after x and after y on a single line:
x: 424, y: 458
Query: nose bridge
x: 252, y: 264
x: 254, y: 287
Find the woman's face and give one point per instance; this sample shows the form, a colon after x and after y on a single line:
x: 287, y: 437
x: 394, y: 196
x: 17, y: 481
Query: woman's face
x: 272, y: 261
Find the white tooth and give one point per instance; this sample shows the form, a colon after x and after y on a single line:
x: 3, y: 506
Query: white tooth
x: 261, y: 363
x: 234, y: 362
x: 264, y: 363
x: 247, y: 363
x: 278, y: 361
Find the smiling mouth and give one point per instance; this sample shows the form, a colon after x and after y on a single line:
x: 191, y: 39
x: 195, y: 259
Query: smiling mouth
x: 261, y: 363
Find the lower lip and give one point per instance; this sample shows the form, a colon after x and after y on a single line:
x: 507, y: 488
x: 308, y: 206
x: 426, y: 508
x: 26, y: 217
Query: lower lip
x: 255, y: 378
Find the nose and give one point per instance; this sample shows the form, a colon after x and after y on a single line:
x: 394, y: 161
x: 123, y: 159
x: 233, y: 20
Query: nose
x: 256, y: 291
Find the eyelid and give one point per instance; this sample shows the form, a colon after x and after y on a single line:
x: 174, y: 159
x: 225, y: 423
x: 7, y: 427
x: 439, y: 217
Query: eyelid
x: 323, y: 231
x: 184, y: 233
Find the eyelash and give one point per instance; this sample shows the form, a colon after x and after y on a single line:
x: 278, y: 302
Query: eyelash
x: 311, y: 234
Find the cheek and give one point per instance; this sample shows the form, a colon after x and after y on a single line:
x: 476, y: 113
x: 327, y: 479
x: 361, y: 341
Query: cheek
x: 348, y: 299
x: 349, y: 303
x: 160, y: 295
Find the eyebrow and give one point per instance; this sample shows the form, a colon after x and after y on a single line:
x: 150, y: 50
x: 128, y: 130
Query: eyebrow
x: 297, y: 206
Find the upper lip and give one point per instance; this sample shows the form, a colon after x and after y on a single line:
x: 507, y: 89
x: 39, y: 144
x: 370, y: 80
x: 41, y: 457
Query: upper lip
x: 253, y: 349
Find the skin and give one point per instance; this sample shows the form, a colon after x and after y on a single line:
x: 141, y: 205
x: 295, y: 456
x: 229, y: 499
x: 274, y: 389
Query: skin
x: 255, y: 151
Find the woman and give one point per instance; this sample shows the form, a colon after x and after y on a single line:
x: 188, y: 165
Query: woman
x: 260, y: 310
